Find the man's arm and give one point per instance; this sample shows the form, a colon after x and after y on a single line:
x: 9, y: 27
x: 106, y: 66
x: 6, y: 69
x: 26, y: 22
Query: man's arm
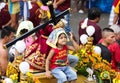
x: 116, y: 10
x: 115, y: 18
x: 4, y: 60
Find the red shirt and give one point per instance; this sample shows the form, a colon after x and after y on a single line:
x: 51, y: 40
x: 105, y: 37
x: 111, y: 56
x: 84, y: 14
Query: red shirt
x: 115, y: 50
x: 4, y: 16
x: 59, y: 58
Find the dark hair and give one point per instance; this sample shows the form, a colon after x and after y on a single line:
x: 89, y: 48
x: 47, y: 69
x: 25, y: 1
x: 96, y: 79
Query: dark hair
x: 108, y: 29
x: 93, y: 13
x: 23, y: 31
x: 44, y: 2
x: 6, y: 31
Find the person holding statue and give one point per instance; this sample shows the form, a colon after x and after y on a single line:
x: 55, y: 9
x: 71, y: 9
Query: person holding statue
x: 7, y: 35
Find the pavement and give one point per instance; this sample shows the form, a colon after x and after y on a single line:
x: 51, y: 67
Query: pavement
x: 77, y: 17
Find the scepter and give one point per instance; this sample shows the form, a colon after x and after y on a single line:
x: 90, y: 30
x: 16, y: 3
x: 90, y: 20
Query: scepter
x: 54, y: 19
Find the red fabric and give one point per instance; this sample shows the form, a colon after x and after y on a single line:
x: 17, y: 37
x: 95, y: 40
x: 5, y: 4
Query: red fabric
x: 34, y: 57
x: 42, y: 40
x: 115, y: 49
x: 36, y: 53
x: 115, y: 3
x: 59, y: 55
x: 34, y: 14
x: 65, y: 5
x: 44, y: 47
x: 45, y: 31
x: 4, y: 16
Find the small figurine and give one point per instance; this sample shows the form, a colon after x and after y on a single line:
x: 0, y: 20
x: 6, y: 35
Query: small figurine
x: 90, y: 72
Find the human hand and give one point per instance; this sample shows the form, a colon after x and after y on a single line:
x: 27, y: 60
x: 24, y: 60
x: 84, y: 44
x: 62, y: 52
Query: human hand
x: 48, y: 74
x: 71, y: 35
x: 55, y: 6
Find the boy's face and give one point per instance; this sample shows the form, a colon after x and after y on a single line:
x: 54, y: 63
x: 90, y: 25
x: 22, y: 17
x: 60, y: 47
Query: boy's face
x: 62, y: 39
x: 110, y: 38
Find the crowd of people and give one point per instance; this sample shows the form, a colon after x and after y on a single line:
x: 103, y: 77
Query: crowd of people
x: 49, y: 45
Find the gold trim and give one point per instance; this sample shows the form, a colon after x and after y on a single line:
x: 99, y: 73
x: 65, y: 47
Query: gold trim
x: 34, y: 65
x: 44, y: 36
x: 4, y: 46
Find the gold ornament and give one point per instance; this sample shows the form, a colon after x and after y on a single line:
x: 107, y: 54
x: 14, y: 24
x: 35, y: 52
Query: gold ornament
x: 89, y: 44
x: 13, y: 68
x: 60, y: 24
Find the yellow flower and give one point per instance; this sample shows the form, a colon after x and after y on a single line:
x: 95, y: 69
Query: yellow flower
x: 116, y: 80
x: 105, y: 75
x: 29, y: 74
x: 83, y: 51
x: 88, y: 58
x: 14, y: 77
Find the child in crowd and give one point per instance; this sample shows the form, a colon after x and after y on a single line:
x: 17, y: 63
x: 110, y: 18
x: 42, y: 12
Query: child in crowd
x: 57, y: 60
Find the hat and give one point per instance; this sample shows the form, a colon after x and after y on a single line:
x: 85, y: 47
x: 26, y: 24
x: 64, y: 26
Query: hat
x: 24, y: 25
x: 53, y: 37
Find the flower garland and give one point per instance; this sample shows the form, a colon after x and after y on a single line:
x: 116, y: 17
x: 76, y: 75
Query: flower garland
x: 90, y: 57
